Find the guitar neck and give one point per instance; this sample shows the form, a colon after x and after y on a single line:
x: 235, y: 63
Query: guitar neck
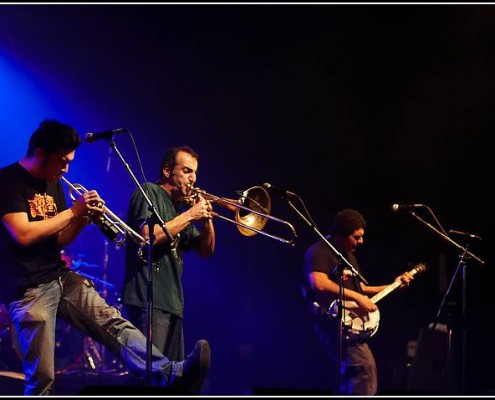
x: 390, y: 288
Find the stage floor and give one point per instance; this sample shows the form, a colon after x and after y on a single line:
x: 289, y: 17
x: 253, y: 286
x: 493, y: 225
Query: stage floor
x: 74, y: 383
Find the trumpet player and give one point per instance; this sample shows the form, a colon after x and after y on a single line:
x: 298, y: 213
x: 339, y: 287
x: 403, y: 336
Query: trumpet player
x: 37, y: 287
x: 186, y: 228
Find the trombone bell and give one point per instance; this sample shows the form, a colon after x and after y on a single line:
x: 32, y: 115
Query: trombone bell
x: 257, y: 199
x: 252, y: 212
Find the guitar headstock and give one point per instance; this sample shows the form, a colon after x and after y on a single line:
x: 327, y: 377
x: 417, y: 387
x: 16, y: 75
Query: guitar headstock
x: 420, y: 267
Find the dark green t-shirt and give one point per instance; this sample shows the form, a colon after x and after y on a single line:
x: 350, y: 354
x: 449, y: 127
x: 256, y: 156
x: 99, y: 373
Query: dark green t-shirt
x: 167, y: 268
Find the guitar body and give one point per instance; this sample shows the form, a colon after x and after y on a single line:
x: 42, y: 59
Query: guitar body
x: 362, y: 323
x: 356, y: 321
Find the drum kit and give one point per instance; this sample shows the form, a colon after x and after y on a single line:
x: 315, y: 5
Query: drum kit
x: 74, y: 352
x: 8, y: 356
x: 84, y: 355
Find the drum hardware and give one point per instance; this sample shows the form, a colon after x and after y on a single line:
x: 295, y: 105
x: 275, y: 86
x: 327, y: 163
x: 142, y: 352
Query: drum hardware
x: 91, y: 356
x: 97, y: 281
x: 82, y: 264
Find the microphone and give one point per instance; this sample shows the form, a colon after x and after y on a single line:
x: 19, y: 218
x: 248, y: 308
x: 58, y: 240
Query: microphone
x: 460, y: 233
x: 91, y: 137
x: 397, y: 207
x: 281, y: 192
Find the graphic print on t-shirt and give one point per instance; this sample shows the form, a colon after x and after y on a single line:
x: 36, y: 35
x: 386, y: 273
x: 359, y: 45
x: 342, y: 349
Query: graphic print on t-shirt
x: 42, y: 205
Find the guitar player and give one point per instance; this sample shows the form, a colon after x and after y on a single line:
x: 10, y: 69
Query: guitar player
x: 323, y: 272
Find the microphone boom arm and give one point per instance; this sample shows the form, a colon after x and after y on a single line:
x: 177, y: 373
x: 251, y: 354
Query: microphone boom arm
x: 339, y: 255
x: 447, y: 238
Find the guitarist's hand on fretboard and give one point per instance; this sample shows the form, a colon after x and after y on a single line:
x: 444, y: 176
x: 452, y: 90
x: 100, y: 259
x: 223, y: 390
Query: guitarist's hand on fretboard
x: 405, y: 279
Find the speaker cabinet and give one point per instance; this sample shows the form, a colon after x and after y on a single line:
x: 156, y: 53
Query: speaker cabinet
x: 432, y: 370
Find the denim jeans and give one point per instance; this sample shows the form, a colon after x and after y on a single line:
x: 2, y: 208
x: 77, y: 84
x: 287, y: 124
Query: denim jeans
x: 74, y: 299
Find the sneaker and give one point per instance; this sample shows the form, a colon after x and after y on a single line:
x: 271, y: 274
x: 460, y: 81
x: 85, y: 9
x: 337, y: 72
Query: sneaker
x: 194, y: 370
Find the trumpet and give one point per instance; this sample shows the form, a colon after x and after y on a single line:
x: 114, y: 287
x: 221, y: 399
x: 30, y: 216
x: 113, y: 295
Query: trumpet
x: 252, y: 211
x: 108, y: 222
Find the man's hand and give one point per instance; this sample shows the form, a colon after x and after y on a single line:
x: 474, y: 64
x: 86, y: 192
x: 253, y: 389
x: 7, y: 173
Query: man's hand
x: 405, y: 279
x: 366, y: 304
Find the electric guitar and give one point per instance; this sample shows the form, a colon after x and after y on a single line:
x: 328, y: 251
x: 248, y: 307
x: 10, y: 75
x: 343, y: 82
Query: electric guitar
x: 361, y: 322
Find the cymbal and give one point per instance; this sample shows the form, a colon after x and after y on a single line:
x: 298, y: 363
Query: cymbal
x: 76, y: 264
x: 97, y: 280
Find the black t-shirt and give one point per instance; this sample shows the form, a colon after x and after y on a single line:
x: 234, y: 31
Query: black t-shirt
x: 320, y: 258
x: 24, y: 267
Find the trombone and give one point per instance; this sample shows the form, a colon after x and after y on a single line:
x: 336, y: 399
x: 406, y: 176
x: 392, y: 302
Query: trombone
x: 252, y: 211
x: 109, y: 223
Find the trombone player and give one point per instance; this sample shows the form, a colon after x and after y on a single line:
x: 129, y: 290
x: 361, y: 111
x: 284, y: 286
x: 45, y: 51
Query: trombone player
x: 186, y: 229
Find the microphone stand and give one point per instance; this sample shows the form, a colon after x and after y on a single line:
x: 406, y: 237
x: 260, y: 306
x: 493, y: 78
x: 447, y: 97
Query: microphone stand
x: 151, y: 221
x: 340, y: 298
x: 464, y: 254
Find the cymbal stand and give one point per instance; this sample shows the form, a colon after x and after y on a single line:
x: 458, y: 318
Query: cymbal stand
x: 93, y: 358
x: 98, y: 363
x: 95, y: 353
x: 89, y: 345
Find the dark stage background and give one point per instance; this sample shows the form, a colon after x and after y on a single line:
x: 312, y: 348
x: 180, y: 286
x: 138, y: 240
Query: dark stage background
x: 356, y: 106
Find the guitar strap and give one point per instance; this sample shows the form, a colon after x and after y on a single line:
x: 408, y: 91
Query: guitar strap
x: 351, y: 281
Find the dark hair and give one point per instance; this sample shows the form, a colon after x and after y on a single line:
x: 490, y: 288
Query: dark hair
x: 53, y: 136
x: 170, y: 157
x: 346, y: 221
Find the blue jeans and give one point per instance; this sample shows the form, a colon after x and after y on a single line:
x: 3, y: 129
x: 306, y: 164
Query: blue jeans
x: 73, y: 298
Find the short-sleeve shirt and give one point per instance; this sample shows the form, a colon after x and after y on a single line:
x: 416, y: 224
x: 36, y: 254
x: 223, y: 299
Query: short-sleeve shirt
x: 319, y: 257
x: 24, y: 267
x: 167, y: 267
